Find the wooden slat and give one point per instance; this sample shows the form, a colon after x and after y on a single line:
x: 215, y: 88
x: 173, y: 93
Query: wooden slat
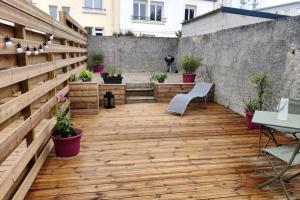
x: 17, y: 135
x: 53, y: 48
x: 65, y: 17
x: 15, y: 105
x: 14, y: 75
x: 25, y: 186
x: 16, y: 171
x: 12, y: 14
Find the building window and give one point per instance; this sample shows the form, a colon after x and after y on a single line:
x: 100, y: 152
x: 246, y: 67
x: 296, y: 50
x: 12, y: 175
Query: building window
x: 99, y: 31
x: 156, y: 11
x: 139, y: 9
x: 66, y: 9
x: 298, y: 11
x: 53, y: 11
x: 89, y: 30
x: 93, y: 4
x: 286, y: 12
x: 189, y: 13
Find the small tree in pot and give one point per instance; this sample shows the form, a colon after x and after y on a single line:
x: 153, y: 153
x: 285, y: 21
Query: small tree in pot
x: 159, y: 76
x: 97, y: 59
x: 190, y: 63
x: 65, y: 136
x: 260, y: 82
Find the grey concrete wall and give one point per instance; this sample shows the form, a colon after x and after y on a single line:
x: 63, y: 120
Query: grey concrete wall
x: 133, y: 54
x: 231, y: 56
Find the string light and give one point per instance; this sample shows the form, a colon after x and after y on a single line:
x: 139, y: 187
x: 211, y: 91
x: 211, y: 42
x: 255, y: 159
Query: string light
x: 8, y: 42
x: 28, y: 52
x: 41, y: 50
x: 45, y: 45
x: 19, y: 48
x: 51, y: 37
x: 35, y: 51
x: 49, y: 41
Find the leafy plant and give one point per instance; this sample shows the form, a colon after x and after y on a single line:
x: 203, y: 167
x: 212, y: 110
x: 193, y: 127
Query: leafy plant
x: 126, y: 33
x: 113, y: 71
x: 64, y: 127
x: 98, y: 58
x: 260, y: 82
x: 190, y: 63
x: 159, y: 76
x: 86, y: 75
x: 251, y: 105
x: 178, y: 34
x: 73, y: 78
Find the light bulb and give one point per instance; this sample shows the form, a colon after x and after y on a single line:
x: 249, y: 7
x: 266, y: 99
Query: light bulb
x: 19, y: 48
x: 49, y: 41
x: 35, y: 51
x: 41, y: 50
x: 28, y: 52
x: 46, y: 45
x: 51, y: 37
x: 7, y: 41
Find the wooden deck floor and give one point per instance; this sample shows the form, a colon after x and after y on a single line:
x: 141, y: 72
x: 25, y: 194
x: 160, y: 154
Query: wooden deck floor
x: 138, y: 152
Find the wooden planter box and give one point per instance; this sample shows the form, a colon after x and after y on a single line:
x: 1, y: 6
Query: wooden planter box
x: 84, y: 98
x: 119, y: 90
x: 164, y: 92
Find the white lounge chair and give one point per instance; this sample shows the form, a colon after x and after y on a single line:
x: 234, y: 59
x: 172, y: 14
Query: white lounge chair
x: 179, y: 103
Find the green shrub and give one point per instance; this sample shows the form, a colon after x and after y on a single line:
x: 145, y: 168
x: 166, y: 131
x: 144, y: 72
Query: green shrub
x: 190, y: 63
x: 251, y: 105
x: 86, y: 75
x: 98, y: 58
x: 159, y: 76
x: 73, y: 78
x: 260, y: 82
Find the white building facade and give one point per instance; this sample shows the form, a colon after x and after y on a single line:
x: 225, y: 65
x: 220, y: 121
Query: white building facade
x: 290, y: 9
x: 160, y: 18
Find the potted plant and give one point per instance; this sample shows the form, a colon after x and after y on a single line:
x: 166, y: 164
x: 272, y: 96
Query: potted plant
x: 113, y: 75
x: 260, y: 82
x: 159, y: 76
x: 73, y: 78
x: 251, y: 105
x: 65, y: 136
x: 86, y: 75
x: 190, y: 64
x: 98, y: 58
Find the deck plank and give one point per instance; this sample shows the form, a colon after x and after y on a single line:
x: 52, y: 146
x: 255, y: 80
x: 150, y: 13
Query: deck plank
x: 136, y: 151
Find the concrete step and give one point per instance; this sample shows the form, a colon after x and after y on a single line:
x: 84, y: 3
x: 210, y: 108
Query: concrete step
x: 139, y: 92
x: 140, y: 99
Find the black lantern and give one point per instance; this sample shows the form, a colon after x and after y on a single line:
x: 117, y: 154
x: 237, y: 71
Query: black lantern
x: 109, y: 100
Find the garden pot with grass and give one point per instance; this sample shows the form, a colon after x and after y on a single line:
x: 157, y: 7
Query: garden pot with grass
x: 65, y: 136
x: 97, y: 59
x: 113, y: 75
x: 190, y: 63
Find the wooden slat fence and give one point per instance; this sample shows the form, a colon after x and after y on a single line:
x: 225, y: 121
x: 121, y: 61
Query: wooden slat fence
x: 29, y: 87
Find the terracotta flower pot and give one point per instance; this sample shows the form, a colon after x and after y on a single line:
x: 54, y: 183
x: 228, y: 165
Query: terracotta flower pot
x: 188, y: 78
x: 98, y: 68
x: 248, y: 119
x: 67, y: 147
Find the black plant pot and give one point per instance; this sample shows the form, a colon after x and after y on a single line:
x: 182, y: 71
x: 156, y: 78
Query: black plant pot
x: 112, y: 80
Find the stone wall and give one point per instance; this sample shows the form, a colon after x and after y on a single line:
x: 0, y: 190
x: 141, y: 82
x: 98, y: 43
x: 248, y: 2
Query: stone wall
x: 134, y: 54
x: 231, y: 56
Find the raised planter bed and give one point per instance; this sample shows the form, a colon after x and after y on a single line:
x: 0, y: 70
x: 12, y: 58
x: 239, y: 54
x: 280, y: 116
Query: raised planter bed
x: 118, y: 90
x: 164, y: 92
x: 84, y: 98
